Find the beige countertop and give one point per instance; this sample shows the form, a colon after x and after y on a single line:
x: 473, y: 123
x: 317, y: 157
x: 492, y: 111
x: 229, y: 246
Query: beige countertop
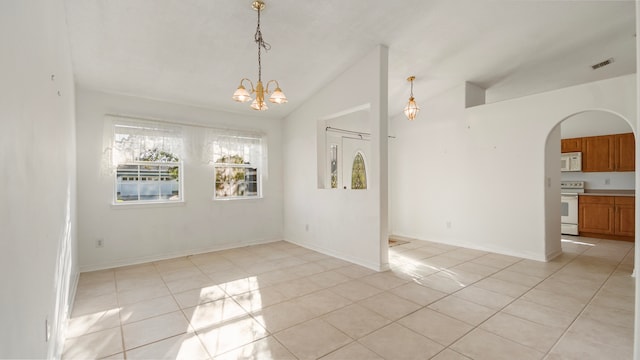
x: 597, y: 192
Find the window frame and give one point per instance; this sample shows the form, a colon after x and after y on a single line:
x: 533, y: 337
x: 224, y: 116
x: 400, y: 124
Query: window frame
x: 258, y: 164
x: 258, y: 182
x: 180, y: 183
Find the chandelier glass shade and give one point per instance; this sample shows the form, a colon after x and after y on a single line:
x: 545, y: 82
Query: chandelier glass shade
x: 411, y: 109
x: 242, y: 94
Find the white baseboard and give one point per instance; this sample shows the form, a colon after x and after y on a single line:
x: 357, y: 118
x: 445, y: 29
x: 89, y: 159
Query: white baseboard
x: 475, y: 246
x: 351, y: 259
x: 172, y: 255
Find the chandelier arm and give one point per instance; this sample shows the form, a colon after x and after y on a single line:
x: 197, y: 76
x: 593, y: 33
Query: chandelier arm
x: 250, y: 82
x: 266, y: 88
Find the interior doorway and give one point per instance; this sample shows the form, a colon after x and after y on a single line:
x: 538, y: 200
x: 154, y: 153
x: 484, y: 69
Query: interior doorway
x: 592, y: 125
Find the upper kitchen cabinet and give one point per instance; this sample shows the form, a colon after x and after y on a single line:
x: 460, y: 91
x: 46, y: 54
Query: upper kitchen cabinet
x: 608, y: 153
x: 571, y: 145
x: 598, y: 153
x: 625, y: 152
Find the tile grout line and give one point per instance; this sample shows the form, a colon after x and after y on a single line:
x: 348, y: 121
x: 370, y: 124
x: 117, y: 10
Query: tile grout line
x: 500, y: 310
x: 383, y: 290
x: 588, y: 303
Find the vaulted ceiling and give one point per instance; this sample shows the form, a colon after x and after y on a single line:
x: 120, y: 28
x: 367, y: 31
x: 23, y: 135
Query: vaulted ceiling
x: 196, y: 51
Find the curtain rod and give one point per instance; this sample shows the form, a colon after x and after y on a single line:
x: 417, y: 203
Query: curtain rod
x: 329, y: 128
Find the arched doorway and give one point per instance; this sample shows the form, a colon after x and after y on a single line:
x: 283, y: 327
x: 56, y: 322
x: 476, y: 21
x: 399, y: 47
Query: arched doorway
x: 581, y: 124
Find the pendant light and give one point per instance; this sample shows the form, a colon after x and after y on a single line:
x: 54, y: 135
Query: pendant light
x: 412, y: 109
x: 241, y: 94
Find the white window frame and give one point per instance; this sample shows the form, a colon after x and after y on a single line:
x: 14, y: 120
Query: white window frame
x: 138, y: 181
x: 117, y: 156
x: 256, y: 161
x: 258, y: 193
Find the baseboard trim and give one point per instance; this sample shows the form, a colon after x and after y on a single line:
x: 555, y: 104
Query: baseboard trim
x: 523, y: 255
x: 355, y: 260
x: 173, y: 255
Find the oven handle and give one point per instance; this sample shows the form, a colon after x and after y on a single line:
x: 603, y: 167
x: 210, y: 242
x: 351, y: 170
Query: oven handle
x: 569, y: 196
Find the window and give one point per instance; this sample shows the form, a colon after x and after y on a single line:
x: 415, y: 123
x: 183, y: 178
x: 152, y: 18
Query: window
x: 358, y: 173
x: 147, y: 161
x: 333, y: 158
x: 236, y: 161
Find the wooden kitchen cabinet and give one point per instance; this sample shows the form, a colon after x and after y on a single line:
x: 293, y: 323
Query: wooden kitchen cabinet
x: 596, y: 214
x: 598, y: 153
x: 625, y: 216
x: 608, y: 153
x: 625, y: 152
x: 571, y: 145
x: 608, y: 217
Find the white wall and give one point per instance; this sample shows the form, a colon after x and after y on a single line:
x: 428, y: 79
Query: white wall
x: 593, y: 123
x: 477, y: 177
x: 37, y: 202
x: 349, y: 224
x: 136, y: 233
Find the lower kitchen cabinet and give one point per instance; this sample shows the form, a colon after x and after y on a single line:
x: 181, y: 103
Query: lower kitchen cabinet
x: 608, y: 217
x: 625, y: 216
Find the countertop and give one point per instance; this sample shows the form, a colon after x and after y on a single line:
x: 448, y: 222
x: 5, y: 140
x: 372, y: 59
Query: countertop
x: 596, y: 192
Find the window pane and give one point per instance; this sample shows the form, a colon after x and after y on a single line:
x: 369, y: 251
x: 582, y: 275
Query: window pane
x: 233, y: 181
x: 147, y: 182
x: 333, y: 156
x: 358, y: 173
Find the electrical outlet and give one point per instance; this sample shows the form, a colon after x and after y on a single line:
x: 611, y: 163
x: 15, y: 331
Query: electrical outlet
x: 306, y: 227
x: 448, y: 224
x: 99, y: 243
x: 607, y: 181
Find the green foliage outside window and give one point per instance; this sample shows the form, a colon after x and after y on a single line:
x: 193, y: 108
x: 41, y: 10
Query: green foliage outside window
x: 234, y: 180
x: 157, y: 155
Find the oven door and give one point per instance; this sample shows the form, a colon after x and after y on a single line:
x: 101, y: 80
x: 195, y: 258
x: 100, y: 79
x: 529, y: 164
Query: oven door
x: 569, y: 214
x: 569, y: 210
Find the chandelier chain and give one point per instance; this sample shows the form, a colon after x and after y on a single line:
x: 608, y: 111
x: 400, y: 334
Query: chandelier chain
x: 261, y: 45
x: 412, y: 88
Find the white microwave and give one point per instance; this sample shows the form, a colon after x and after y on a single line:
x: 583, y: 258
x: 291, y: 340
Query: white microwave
x: 571, y: 161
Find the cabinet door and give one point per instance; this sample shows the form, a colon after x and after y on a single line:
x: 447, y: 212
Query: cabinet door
x: 625, y: 216
x: 571, y: 145
x: 625, y: 152
x: 598, y: 153
x: 596, y: 214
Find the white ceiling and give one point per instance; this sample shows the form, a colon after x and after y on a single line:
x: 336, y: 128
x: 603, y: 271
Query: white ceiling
x: 196, y: 51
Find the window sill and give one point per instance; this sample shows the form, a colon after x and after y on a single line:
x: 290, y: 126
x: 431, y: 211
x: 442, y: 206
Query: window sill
x: 146, y: 205
x: 237, y: 199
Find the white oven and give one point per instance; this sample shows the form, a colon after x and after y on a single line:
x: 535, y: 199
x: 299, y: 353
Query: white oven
x: 569, y: 202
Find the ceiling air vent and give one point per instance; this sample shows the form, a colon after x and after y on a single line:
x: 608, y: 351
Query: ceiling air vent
x: 601, y: 64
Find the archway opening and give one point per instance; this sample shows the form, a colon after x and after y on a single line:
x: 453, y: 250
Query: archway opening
x: 595, y: 135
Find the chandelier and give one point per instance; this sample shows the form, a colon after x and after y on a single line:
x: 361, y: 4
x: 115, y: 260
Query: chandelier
x: 241, y: 94
x: 412, y: 109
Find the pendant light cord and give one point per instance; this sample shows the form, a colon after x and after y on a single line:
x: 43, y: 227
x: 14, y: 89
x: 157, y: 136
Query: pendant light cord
x: 411, y: 88
x: 261, y: 44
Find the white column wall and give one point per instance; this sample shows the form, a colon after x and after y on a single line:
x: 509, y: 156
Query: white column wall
x: 348, y: 224
x: 141, y: 233
x: 38, y: 268
x: 636, y: 334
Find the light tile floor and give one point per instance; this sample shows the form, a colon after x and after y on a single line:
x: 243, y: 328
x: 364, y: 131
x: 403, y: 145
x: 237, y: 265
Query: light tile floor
x: 282, y: 301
